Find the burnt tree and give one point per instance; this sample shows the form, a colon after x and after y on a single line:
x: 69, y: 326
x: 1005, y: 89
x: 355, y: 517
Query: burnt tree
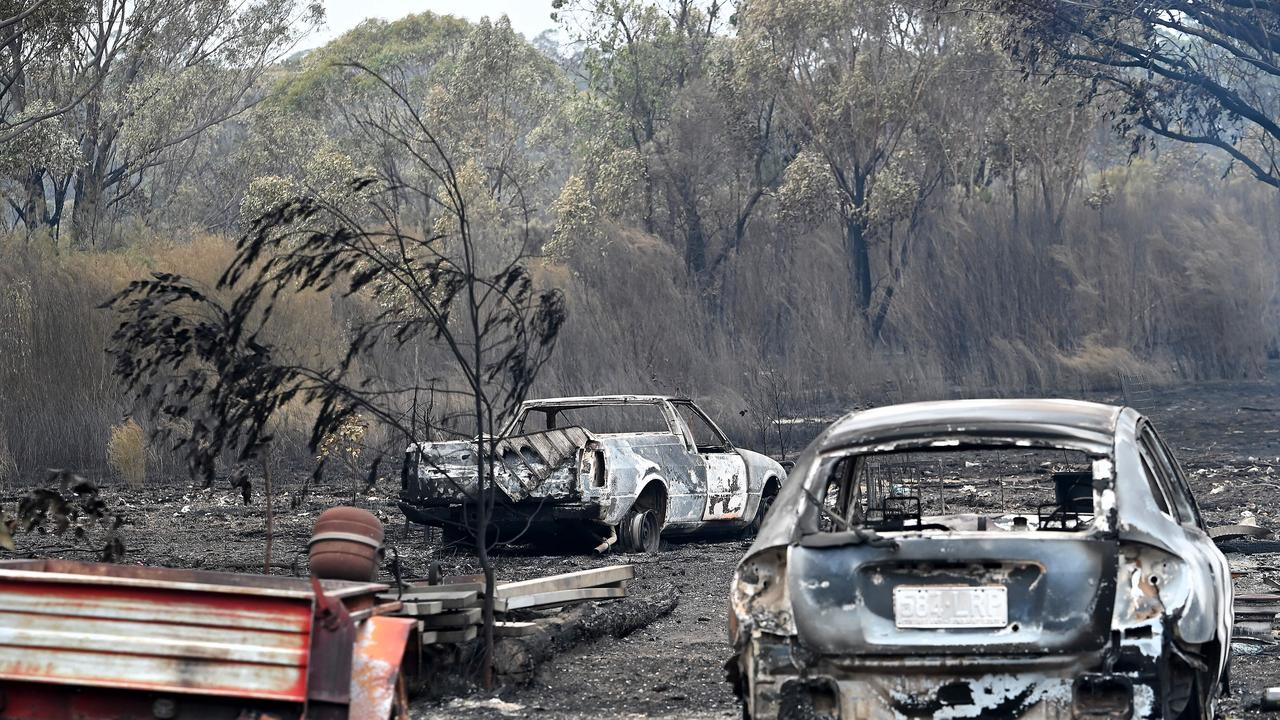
x: 204, y: 358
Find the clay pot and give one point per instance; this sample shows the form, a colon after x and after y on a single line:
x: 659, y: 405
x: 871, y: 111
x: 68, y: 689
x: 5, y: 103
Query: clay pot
x: 346, y: 545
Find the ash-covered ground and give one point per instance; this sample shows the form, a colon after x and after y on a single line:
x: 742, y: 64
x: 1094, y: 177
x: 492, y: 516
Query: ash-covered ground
x: 1227, y: 436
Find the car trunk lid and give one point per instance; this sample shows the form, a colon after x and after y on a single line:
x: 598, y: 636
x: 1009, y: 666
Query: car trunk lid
x: 1056, y: 589
x: 523, y: 463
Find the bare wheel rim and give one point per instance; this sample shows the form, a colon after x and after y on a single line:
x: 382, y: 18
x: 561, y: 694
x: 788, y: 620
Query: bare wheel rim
x: 645, y: 531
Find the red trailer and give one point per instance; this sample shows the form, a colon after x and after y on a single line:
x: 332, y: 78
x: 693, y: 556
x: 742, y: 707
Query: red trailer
x: 93, y: 640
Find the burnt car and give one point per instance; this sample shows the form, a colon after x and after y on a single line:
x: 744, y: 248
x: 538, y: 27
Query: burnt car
x: 618, y: 469
x: 983, y: 558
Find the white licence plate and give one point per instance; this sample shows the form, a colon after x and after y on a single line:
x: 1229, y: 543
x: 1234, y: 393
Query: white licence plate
x: 950, y: 607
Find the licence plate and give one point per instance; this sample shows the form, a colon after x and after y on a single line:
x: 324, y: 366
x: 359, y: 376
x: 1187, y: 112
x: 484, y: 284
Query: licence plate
x: 950, y: 607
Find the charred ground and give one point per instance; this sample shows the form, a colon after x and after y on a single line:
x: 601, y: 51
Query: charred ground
x: 1227, y: 436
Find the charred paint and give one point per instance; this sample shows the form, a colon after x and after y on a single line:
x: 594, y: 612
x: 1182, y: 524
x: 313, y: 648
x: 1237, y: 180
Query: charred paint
x: 563, y: 484
x: 1095, y: 614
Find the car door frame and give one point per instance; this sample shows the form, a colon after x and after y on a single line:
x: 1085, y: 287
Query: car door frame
x: 727, y: 487
x: 1204, y: 555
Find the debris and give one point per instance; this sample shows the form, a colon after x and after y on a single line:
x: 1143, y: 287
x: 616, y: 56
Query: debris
x: 1235, y: 532
x: 450, y: 636
x: 448, y: 599
x: 450, y: 611
x: 514, y: 629
x: 569, y: 581
x: 422, y: 607
x: 559, y: 598
x: 1270, y: 699
x: 470, y: 616
x: 517, y: 658
x: 506, y: 708
x: 1255, y: 615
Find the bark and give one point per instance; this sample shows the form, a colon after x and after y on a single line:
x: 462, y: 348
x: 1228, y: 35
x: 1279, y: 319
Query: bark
x: 516, y: 659
x: 695, y: 245
x: 860, y: 260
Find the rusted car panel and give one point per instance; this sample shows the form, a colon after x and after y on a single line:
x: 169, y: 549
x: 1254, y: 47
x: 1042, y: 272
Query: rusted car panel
x: 216, y: 639
x: 375, y: 666
x: 595, y: 479
x: 1125, y: 614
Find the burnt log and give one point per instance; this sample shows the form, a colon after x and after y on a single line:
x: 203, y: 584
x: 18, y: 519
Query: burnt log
x: 516, y: 659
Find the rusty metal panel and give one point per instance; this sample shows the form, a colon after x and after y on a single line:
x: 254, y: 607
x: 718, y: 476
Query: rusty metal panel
x: 139, y: 577
x: 158, y: 629
x: 124, y: 607
x: 380, y: 644
x: 65, y: 635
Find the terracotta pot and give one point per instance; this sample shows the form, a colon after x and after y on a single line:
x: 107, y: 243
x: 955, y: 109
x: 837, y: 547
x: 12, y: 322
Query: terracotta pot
x: 346, y: 545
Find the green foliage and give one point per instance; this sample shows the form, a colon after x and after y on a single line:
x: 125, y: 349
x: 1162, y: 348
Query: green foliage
x: 416, y: 46
x: 578, y: 228
x: 808, y: 194
x: 146, y: 85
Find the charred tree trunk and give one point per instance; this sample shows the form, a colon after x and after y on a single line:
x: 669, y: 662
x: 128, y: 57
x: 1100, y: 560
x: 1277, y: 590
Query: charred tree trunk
x: 266, y: 488
x: 860, y: 261
x: 517, y: 659
x: 695, y: 239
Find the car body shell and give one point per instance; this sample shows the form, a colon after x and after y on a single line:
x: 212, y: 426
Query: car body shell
x: 1094, y: 616
x: 575, y: 474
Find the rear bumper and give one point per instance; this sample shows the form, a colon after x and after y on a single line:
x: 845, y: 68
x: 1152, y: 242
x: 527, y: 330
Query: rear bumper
x: 1014, y: 687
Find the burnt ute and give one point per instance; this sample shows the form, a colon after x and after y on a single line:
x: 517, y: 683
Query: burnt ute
x: 904, y: 573
x: 619, y: 469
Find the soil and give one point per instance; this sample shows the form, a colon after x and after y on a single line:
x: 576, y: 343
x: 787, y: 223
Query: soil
x: 1226, y: 434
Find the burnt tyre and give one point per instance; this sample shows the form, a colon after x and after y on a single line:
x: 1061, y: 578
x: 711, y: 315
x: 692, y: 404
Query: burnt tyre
x: 641, y: 531
x: 1187, y: 701
x: 766, y: 501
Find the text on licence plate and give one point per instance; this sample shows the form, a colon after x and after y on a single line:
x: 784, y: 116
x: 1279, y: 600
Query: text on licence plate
x: 950, y: 607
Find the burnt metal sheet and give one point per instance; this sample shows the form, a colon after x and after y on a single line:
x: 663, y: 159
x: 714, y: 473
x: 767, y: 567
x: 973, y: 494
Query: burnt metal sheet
x: 375, y: 667
x: 1043, y: 418
x: 159, y: 630
x: 68, y: 634
x: 530, y: 459
x: 1060, y: 593
x: 74, y: 572
x: 536, y: 464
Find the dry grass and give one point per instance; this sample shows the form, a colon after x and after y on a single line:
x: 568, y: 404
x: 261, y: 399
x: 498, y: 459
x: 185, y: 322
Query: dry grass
x: 127, y: 452
x: 8, y: 466
x: 1174, y: 279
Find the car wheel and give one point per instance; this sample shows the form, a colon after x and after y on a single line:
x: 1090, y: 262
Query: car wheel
x: 1184, y: 701
x: 766, y: 502
x: 641, y: 531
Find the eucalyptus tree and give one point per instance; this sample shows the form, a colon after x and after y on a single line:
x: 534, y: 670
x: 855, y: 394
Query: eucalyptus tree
x: 497, y: 104
x: 650, y: 63
x: 159, y: 75
x: 855, y: 76
x: 1206, y: 73
x: 39, y: 42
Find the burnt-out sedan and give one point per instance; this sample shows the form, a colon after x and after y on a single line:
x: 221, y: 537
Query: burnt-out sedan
x: 983, y: 558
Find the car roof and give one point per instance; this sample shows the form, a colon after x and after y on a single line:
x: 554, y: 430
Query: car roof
x: 1089, y: 423
x: 582, y: 400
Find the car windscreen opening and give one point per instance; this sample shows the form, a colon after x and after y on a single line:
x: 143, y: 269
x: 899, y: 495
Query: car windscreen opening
x: 993, y: 490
